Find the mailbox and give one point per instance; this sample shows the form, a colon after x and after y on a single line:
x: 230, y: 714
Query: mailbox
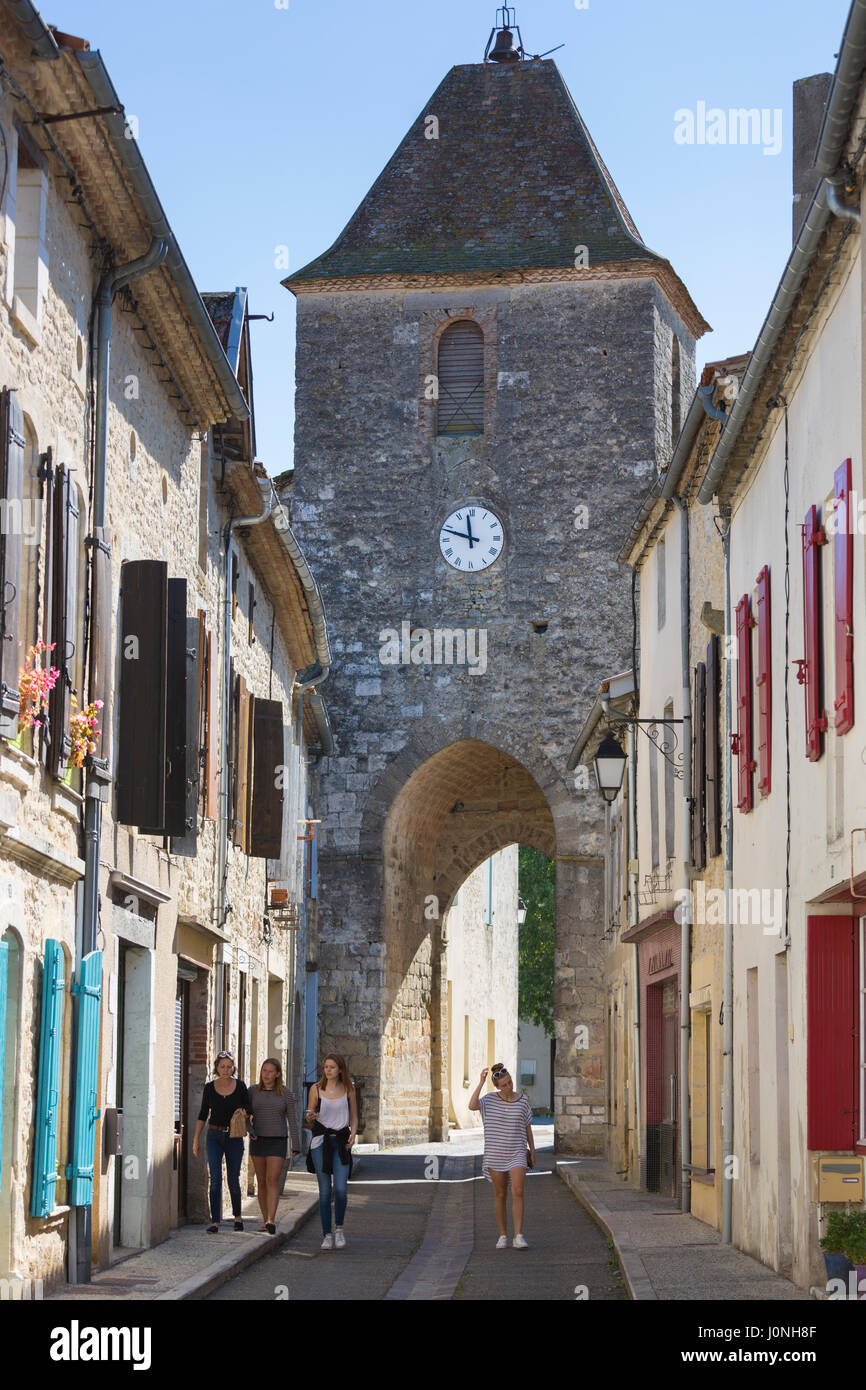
x: 112, y: 1133
x: 840, y: 1179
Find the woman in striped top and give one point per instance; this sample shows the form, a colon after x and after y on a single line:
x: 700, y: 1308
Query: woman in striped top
x: 509, y: 1147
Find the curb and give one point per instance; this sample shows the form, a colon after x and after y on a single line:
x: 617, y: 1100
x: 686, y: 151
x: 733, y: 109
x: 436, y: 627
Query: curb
x: 633, y: 1269
x: 200, y: 1285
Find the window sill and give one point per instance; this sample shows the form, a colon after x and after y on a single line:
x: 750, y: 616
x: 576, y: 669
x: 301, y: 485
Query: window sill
x: 24, y: 320
x: 16, y: 766
x: 66, y: 801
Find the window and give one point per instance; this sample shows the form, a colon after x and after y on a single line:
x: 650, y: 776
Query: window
x: 764, y: 682
x: 742, y: 742
x: 654, y: 803
x: 225, y: 1010
x: 810, y: 667
x: 661, y: 597
x: 242, y: 1023
x: 843, y: 599
x: 699, y: 769
x: 27, y: 208
x: 527, y: 1071
x: 676, y: 392
x: 713, y: 748
x: 235, y: 576
x: 460, y: 372
x: 251, y: 609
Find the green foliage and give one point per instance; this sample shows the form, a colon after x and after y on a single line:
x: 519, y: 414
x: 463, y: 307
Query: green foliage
x: 537, y: 937
x: 846, y: 1235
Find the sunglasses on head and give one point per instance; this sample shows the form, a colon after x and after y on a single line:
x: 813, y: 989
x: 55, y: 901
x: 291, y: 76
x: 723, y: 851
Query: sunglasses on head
x: 221, y: 1056
x: 502, y: 1072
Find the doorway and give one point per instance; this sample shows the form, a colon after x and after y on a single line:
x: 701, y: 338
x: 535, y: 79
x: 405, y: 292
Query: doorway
x: 185, y: 976
x: 662, y: 1093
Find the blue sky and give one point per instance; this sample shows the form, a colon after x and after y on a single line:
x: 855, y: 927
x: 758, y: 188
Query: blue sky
x: 263, y: 127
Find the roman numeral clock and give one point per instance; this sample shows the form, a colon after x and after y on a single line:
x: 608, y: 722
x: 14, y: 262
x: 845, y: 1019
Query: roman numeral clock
x: 471, y: 539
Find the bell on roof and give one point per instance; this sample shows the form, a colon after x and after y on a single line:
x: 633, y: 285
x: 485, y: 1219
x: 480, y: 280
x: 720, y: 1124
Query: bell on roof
x: 504, y: 49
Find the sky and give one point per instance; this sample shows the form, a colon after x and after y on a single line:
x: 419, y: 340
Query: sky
x: 263, y: 123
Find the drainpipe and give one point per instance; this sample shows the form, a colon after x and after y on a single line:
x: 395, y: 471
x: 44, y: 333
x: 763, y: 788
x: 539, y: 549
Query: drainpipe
x: 835, y: 204
x: 728, y: 983
x: 685, y: 924
x: 109, y: 284
x: 633, y: 921
x: 224, y: 907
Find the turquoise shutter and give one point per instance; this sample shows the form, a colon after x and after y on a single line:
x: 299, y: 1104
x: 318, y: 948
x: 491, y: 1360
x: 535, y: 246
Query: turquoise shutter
x: 45, y: 1142
x: 89, y: 991
x: 4, y: 976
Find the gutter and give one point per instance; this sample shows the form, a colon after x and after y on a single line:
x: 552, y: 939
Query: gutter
x: 96, y: 75
x: 34, y: 26
x: 825, y: 201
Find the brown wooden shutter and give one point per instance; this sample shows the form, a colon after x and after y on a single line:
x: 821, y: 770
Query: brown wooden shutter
x: 176, y: 712
x: 12, y: 656
x: 699, y: 769
x: 64, y: 632
x: 101, y: 663
x: 242, y: 780
x: 212, y: 807
x: 460, y: 372
x: 143, y: 678
x: 186, y: 844
x: 266, y: 818
x: 713, y: 748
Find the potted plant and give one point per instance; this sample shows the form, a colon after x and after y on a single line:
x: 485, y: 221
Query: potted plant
x: 84, y: 731
x: 844, y: 1245
x: 35, y: 683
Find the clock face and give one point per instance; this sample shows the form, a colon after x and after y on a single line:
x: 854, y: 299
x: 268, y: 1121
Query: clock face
x: 471, y: 538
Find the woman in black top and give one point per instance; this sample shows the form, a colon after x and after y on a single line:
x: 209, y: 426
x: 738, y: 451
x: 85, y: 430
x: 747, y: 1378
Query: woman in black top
x: 222, y: 1097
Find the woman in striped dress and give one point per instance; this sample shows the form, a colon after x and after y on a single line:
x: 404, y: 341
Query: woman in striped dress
x: 509, y: 1147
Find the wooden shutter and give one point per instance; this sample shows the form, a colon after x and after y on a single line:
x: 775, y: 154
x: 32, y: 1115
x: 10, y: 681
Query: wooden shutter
x: 742, y: 739
x: 764, y: 683
x: 831, y: 1038
x: 699, y: 769
x: 461, y: 379
x: 11, y: 567
x: 810, y: 673
x: 174, y: 823
x: 101, y: 663
x: 314, y: 861
x: 266, y: 817
x: 48, y: 1087
x: 186, y: 844
x: 143, y: 680
x: 89, y: 991
x: 844, y: 599
x: 713, y: 748
x: 64, y: 630
x: 242, y: 781
x: 212, y: 745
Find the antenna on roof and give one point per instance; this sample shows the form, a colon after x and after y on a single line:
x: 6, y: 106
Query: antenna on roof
x: 505, y: 50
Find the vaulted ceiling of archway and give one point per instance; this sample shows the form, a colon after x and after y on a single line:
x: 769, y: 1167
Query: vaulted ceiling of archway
x: 461, y: 805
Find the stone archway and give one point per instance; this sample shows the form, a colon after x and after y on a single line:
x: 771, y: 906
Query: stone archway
x: 438, y: 810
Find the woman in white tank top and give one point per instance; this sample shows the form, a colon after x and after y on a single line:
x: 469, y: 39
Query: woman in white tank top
x: 332, y: 1114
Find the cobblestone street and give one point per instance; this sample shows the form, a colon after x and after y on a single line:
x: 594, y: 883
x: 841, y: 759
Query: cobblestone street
x: 409, y: 1237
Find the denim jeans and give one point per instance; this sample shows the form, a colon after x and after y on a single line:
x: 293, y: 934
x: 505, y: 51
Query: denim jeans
x: 341, y: 1178
x: 219, y: 1144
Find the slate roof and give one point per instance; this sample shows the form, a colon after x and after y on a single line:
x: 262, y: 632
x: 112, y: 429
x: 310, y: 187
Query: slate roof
x: 514, y: 181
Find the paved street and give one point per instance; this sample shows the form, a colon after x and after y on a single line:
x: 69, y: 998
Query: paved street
x: 416, y: 1237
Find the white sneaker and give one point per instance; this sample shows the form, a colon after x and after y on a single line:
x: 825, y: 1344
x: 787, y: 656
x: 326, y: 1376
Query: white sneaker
x: 328, y: 1242
x: 502, y: 1243
x: 339, y: 1238
x: 520, y: 1243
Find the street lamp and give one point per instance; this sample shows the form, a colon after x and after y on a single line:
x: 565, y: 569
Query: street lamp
x: 521, y: 912
x: 609, y: 763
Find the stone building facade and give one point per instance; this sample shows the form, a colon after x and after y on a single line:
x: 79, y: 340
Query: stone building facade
x: 448, y: 753
x: 189, y: 956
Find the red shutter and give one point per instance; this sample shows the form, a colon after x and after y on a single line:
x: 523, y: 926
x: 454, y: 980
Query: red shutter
x: 831, y: 1038
x: 764, y: 683
x: 844, y: 604
x: 810, y: 671
x: 742, y: 739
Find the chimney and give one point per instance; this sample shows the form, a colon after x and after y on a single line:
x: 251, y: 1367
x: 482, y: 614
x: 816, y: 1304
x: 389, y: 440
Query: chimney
x: 810, y: 96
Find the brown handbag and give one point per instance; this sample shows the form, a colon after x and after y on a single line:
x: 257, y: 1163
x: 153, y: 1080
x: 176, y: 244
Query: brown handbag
x: 238, y: 1126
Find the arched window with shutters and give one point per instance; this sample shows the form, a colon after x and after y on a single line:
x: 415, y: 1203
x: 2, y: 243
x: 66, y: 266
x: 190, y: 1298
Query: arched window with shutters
x: 460, y: 370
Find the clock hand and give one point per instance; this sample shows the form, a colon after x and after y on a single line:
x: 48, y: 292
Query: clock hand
x: 469, y: 536
x: 461, y: 534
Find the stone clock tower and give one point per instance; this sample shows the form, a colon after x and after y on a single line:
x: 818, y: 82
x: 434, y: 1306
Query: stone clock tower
x: 490, y: 365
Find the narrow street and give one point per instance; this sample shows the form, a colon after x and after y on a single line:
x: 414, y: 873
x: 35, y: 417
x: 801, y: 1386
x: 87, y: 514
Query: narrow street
x: 416, y: 1237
